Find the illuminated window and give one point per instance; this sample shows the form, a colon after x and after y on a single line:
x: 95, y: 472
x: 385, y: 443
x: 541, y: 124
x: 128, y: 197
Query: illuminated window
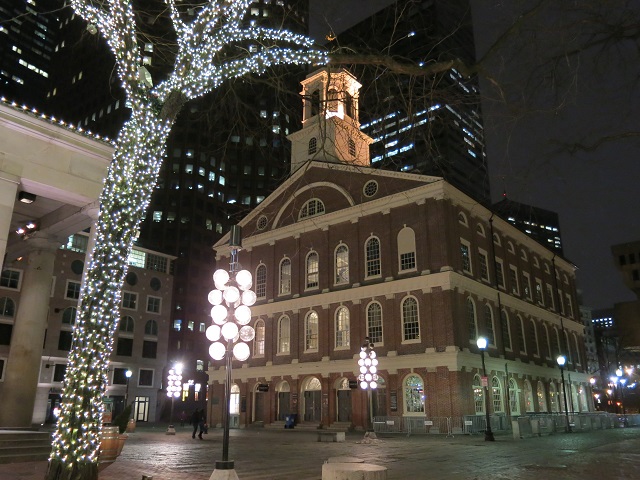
x: 342, y: 328
x: 374, y: 323
x: 341, y: 264
x: 372, y: 255
x: 311, y: 331
x: 285, y: 276
x: 410, y: 320
x: 312, y: 208
x: 283, y: 334
x: 413, y: 394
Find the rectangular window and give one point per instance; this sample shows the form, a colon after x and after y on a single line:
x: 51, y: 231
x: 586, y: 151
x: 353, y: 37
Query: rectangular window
x: 119, y: 376
x: 484, y: 266
x: 177, y: 325
x: 513, y: 280
x: 2, y: 364
x: 125, y: 347
x: 58, y: 372
x: 5, y: 333
x: 499, y: 273
x: 190, y: 325
x: 73, y: 290
x: 145, y: 378
x: 77, y: 243
x: 466, y: 257
x: 552, y: 303
x: 569, y: 305
x: 129, y: 300
x: 149, y: 349
x: 539, y: 295
x: 10, y: 279
x: 560, y: 302
x: 408, y: 261
x: 64, y: 341
x: 526, y: 285
x: 153, y: 304
x: 157, y: 263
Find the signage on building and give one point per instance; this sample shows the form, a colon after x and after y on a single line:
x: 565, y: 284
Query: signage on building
x: 353, y: 384
x: 263, y: 387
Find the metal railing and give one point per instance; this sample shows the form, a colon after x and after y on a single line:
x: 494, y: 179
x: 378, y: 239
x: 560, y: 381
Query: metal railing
x: 530, y: 424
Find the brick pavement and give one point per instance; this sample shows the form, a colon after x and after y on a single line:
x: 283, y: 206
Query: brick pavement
x: 295, y: 455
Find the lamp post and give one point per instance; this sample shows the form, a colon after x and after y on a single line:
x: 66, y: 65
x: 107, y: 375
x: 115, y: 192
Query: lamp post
x: 229, y: 333
x: 174, y: 390
x: 127, y: 374
x: 562, y: 360
x: 488, y: 433
x: 368, y: 377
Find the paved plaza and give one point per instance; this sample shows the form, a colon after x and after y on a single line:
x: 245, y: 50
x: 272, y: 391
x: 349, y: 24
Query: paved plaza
x: 263, y: 454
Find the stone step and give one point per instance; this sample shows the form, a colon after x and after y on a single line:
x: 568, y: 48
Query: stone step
x: 24, y: 446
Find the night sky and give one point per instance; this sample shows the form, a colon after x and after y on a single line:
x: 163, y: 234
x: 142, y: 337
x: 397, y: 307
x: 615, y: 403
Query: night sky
x: 529, y: 140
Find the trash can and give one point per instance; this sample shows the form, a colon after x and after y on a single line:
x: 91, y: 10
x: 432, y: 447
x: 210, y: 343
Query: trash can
x: 290, y: 421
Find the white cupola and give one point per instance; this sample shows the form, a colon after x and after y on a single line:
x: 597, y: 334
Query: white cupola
x: 330, y: 126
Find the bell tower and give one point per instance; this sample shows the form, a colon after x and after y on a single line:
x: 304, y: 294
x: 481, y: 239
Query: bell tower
x: 330, y: 126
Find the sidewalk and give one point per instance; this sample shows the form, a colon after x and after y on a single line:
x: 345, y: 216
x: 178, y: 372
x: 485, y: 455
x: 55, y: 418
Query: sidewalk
x: 263, y: 454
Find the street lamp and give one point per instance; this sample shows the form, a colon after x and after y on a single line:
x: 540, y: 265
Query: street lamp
x: 174, y: 390
x: 368, y: 377
x: 127, y: 374
x: 488, y: 433
x: 562, y: 360
x: 230, y: 332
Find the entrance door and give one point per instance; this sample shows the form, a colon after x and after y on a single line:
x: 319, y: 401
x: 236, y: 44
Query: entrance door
x: 258, y: 414
x: 141, y: 413
x: 283, y: 405
x: 344, y: 405
x: 312, y: 406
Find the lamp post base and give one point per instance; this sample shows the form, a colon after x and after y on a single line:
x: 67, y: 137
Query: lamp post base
x: 488, y: 436
x: 224, y: 471
x: 171, y: 430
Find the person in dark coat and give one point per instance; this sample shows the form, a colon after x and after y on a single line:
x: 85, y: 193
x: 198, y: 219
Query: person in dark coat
x: 196, y: 421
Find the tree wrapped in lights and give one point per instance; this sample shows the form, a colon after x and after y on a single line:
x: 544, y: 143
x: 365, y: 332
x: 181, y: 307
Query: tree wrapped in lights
x: 202, y: 63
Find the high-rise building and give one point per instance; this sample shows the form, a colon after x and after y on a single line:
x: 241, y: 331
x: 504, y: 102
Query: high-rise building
x: 540, y: 224
x: 28, y: 31
x: 432, y: 124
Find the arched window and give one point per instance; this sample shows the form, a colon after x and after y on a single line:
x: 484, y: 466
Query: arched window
x: 313, y: 145
x: 258, y: 340
x: 7, y: 307
x: 315, y: 103
x: 342, y: 328
x: 478, y: 395
x: 285, y: 276
x: 151, y: 328
x: 553, y: 397
x: 413, y: 394
x: 234, y: 400
x: 506, y: 331
x: 410, y: 320
x: 311, y: 331
x: 406, y: 249
x: 261, y: 281
x: 374, y: 323
x: 568, y: 347
x: 528, y: 397
x: 462, y: 218
x: 522, y: 345
x: 480, y: 230
x: 496, y: 395
x: 488, y: 325
x: 352, y: 147
x: 534, y: 338
x: 547, y: 341
x: 372, y: 255
x: 514, y: 397
x: 311, y: 208
x: 472, y: 320
x: 577, y: 349
x: 126, y: 324
x: 312, y: 270
x: 341, y: 264
x: 542, y: 398
x: 69, y: 316
x: 332, y: 100
x: 496, y: 240
x: 350, y: 106
x: 284, y: 334
x: 556, y: 345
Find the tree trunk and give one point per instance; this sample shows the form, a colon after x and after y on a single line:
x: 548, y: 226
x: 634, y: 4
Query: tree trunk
x: 126, y: 194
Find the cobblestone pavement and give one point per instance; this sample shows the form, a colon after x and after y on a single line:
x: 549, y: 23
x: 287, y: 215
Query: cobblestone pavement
x: 263, y: 454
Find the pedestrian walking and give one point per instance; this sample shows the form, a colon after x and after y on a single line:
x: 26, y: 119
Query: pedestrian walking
x: 183, y: 418
x: 196, y: 417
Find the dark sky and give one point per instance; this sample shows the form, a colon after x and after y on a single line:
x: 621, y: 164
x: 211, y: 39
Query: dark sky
x: 595, y: 193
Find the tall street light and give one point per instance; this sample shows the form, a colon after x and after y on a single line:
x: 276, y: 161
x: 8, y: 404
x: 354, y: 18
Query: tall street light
x: 488, y: 433
x: 174, y: 390
x: 127, y: 374
x: 562, y: 360
x: 229, y: 333
x: 368, y: 377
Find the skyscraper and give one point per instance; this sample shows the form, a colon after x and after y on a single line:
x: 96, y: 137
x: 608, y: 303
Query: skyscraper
x: 28, y: 32
x: 425, y: 124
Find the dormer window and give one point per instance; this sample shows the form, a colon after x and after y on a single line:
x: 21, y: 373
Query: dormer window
x: 312, y: 208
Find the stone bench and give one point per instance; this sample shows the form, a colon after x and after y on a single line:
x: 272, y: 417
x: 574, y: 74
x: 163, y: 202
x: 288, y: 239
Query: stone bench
x: 353, y: 471
x: 331, y: 436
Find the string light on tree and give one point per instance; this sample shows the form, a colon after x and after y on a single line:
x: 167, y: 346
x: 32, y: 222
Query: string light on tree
x: 213, y: 29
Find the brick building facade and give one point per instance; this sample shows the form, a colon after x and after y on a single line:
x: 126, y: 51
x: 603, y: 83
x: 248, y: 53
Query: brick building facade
x: 342, y: 251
